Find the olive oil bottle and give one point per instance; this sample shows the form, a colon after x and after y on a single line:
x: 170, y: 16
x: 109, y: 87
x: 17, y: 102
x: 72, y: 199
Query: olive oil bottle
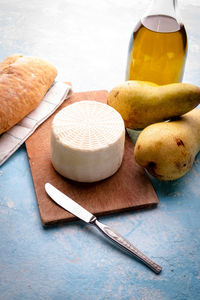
x: 158, y: 45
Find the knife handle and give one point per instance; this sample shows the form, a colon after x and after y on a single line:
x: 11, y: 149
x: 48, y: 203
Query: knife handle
x: 117, y: 238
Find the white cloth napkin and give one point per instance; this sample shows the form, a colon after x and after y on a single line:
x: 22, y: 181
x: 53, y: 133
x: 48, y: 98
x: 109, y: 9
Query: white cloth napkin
x: 12, y: 139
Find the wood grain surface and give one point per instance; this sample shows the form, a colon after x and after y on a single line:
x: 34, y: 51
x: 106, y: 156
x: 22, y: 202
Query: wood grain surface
x: 129, y: 188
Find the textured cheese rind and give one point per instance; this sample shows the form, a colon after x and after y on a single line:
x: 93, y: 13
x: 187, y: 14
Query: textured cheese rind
x: 24, y: 80
x: 87, y: 141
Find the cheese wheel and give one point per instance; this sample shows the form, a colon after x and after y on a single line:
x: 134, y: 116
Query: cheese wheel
x: 87, y: 141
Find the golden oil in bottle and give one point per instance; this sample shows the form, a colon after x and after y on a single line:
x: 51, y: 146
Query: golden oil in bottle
x: 157, y: 50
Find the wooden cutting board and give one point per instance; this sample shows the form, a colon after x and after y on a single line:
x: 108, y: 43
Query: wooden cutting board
x: 129, y: 188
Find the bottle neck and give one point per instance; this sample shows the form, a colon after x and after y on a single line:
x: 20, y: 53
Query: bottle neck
x: 162, y: 7
x: 162, y: 16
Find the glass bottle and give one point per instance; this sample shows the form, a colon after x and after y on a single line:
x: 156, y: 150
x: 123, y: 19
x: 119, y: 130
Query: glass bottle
x: 158, y: 45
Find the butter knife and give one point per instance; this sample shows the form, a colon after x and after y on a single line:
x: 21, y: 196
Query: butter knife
x: 77, y: 210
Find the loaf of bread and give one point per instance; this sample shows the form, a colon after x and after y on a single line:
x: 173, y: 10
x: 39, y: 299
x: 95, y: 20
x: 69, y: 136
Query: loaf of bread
x: 24, y: 80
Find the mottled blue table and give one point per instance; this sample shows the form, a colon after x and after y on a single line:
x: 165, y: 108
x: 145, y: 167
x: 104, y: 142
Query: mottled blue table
x: 87, y: 41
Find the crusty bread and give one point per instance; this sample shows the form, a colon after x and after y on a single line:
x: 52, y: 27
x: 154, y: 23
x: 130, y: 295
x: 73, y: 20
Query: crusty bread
x: 24, y: 80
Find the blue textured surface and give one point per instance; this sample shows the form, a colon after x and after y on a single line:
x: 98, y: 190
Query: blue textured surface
x: 74, y: 261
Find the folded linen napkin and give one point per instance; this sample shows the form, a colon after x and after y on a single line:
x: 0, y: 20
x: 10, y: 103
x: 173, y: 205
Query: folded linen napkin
x: 12, y: 139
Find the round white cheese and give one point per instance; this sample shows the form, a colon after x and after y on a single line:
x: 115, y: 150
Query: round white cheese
x: 87, y: 141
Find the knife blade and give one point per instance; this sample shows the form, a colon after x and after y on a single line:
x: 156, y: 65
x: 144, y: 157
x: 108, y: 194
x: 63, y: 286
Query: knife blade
x: 68, y: 204
x: 77, y: 210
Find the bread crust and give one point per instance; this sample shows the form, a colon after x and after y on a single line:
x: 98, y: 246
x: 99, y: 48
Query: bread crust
x: 24, y: 80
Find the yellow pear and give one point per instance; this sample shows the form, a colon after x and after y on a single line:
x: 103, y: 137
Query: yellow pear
x: 168, y: 149
x: 142, y: 103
